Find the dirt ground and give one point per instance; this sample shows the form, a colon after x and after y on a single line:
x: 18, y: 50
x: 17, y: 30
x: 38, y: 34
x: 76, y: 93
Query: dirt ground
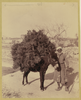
x: 12, y: 81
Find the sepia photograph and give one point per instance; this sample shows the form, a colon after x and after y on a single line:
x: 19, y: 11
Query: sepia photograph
x: 40, y: 50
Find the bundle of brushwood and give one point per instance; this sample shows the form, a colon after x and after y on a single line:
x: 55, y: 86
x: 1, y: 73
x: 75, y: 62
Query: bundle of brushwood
x: 31, y: 49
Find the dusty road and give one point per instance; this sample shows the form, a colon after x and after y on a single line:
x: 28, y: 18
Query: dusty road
x: 12, y: 86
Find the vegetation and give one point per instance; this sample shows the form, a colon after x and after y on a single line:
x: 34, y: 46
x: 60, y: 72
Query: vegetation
x: 31, y: 49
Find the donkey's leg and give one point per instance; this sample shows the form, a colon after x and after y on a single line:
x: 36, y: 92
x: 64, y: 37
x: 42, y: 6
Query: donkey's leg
x: 42, y: 74
x: 24, y: 74
x: 27, y: 76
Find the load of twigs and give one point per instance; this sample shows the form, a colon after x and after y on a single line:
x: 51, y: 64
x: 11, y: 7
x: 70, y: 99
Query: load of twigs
x: 31, y: 49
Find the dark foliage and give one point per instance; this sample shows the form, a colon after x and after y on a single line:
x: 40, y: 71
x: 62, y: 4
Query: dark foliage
x: 31, y: 49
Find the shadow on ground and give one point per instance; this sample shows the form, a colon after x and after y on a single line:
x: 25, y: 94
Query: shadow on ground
x: 49, y: 76
x: 8, y: 70
x: 32, y: 81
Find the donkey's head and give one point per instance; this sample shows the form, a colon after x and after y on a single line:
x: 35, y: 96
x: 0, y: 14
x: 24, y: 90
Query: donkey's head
x: 53, y: 60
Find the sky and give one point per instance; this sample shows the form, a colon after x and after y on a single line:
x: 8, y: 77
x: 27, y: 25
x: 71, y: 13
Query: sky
x: 17, y: 18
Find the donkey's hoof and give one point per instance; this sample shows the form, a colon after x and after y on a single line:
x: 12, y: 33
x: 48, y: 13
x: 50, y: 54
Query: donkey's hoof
x: 22, y: 83
x: 42, y: 89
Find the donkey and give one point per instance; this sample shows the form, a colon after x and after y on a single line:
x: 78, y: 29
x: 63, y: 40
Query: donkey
x: 41, y: 67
